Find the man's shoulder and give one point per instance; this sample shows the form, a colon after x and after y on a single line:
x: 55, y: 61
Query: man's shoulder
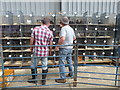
x: 37, y: 27
x: 67, y: 28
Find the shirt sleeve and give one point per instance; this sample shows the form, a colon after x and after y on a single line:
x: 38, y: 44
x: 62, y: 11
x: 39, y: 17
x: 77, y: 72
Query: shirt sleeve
x: 62, y: 33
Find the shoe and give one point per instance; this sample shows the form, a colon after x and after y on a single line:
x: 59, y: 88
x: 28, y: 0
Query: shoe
x: 60, y: 80
x: 31, y: 81
x: 44, y: 76
x: 68, y: 75
x: 33, y: 76
x: 43, y: 82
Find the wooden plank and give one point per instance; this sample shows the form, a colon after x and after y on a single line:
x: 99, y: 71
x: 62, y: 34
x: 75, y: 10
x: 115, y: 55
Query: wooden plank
x: 95, y: 37
x: 91, y: 62
x: 7, y: 63
x: 15, y: 38
x: 26, y: 50
x: 95, y: 49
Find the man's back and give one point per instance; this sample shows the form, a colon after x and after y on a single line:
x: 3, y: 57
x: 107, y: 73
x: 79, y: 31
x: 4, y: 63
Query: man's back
x: 43, y: 36
x: 69, y: 35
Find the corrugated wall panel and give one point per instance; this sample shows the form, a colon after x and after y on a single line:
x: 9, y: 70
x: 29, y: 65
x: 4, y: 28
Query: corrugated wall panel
x: 38, y: 8
x: 24, y: 8
x: 47, y: 7
x: 70, y: 6
x: 95, y: 7
x: 51, y: 9
x: 28, y: 8
x: 83, y: 7
x: 33, y: 7
x: 43, y: 8
x: 115, y: 10
x: 4, y: 6
x: 8, y: 6
x: 87, y: 7
x: 18, y: 6
x: 118, y: 7
x: 74, y: 6
x: 13, y: 8
x: 92, y: 6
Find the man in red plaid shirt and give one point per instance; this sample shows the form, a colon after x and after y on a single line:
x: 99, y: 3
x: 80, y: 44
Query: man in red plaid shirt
x: 41, y: 35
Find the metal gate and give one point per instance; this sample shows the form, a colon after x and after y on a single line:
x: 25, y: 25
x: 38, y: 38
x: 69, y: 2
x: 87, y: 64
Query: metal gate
x: 84, y: 73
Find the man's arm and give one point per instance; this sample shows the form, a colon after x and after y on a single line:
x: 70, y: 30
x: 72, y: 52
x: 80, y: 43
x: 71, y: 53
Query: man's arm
x: 60, y: 42
x: 74, y: 38
x: 31, y: 43
x: 51, y: 43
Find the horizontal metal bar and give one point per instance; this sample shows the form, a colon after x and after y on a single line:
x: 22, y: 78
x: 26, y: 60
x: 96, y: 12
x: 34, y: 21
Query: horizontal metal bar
x: 34, y: 57
x: 98, y: 78
x: 60, y: 45
x: 96, y: 65
x: 60, y: 56
x: 97, y: 73
x: 36, y: 66
x: 97, y: 45
x: 96, y: 84
x: 34, y: 74
x: 38, y: 79
x: 100, y: 56
x: 38, y: 85
x: 38, y: 45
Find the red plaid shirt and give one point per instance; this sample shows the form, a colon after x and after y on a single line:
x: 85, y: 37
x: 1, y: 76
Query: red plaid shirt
x: 42, y: 36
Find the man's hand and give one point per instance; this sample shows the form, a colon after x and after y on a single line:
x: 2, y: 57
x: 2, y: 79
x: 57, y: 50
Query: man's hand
x: 57, y: 48
x: 50, y: 53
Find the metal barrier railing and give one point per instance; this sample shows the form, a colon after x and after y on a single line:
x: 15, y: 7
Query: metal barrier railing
x: 23, y: 67
x: 76, y: 65
x: 116, y: 74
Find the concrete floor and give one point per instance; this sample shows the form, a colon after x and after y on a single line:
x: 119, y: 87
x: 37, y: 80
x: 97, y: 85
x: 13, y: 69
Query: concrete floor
x: 80, y: 68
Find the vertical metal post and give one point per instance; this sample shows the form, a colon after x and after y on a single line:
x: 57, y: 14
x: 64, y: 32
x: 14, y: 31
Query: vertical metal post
x: 117, y: 70
x: 21, y: 35
x: 35, y: 67
x: 75, y: 65
x: 3, y: 79
x: 2, y: 61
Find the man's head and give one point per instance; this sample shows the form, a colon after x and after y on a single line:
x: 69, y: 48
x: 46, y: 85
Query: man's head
x: 46, y: 21
x: 64, y: 21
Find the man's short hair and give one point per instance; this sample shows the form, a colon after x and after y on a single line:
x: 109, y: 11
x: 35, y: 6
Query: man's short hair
x: 45, y: 20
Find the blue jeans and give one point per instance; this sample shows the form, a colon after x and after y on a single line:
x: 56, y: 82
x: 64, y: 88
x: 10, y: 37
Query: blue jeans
x: 63, y: 52
x: 35, y: 61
